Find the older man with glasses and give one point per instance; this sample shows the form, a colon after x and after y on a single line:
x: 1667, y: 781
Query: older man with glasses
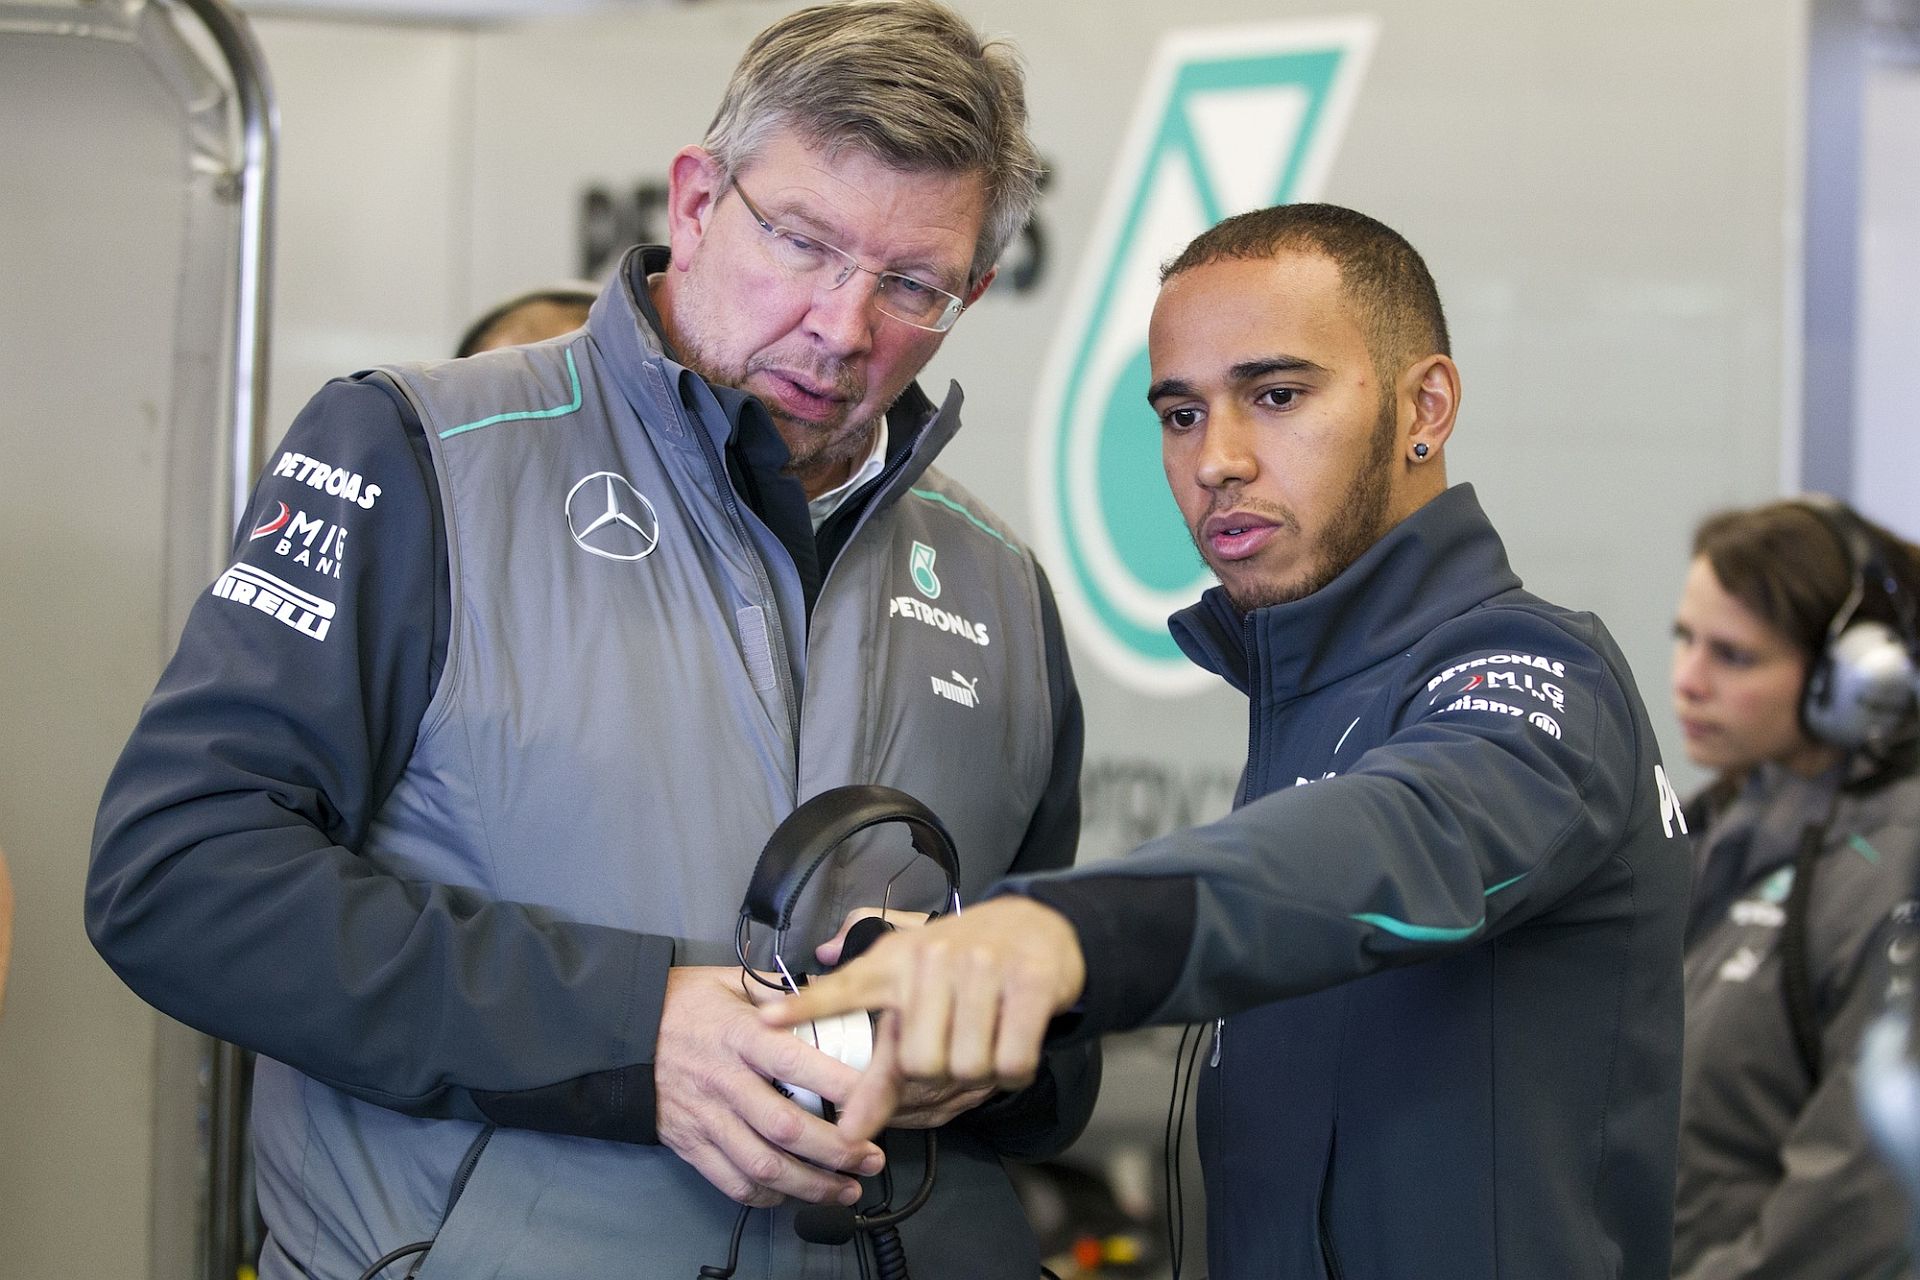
x: 447, y: 804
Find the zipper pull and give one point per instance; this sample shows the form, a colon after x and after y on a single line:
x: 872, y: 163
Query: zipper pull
x: 1219, y: 1033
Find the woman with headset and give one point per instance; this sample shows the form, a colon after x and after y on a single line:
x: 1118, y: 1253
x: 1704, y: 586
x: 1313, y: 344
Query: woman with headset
x: 1793, y: 681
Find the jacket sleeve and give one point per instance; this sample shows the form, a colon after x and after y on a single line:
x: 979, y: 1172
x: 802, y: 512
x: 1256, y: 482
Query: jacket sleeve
x: 1478, y: 808
x: 1836, y: 1209
x: 1045, y: 1118
x: 227, y: 886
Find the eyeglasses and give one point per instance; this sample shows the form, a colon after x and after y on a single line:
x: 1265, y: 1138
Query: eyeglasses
x: 808, y: 258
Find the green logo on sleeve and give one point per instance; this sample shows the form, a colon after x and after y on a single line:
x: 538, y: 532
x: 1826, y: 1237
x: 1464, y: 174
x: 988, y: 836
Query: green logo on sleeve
x: 1230, y: 120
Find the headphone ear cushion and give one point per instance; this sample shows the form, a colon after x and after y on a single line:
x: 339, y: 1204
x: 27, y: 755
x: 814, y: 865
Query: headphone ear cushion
x: 1862, y: 686
x: 864, y: 933
x: 1860, y: 692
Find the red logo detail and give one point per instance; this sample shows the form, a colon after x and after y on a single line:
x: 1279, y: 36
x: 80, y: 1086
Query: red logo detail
x: 274, y: 525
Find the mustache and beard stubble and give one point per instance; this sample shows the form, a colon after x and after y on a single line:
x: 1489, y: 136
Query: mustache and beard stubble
x: 1355, y: 525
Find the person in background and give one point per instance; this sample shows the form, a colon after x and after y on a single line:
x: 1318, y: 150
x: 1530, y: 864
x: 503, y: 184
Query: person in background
x: 1792, y: 626
x: 1440, y: 932
x: 448, y: 802
x: 533, y: 316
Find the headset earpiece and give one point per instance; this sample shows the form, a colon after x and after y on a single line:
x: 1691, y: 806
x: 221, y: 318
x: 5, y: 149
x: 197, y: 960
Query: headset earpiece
x: 1862, y: 685
x: 861, y: 936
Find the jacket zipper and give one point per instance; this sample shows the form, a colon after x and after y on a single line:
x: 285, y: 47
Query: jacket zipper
x: 1329, y: 1259
x: 883, y: 481
x: 461, y: 1175
x: 762, y: 579
x: 468, y: 1163
x: 1219, y: 1034
x: 1248, y: 641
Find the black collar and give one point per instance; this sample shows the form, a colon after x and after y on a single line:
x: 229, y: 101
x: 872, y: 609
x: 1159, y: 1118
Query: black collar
x: 1439, y: 562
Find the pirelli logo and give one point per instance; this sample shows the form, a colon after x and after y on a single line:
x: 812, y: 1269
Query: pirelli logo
x: 282, y: 601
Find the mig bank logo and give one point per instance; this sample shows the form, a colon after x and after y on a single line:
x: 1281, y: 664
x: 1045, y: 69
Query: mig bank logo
x: 1230, y: 120
x: 923, y: 575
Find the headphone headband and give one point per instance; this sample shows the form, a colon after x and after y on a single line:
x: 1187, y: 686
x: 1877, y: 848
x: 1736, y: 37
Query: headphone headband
x: 811, y: 832
x: 1861, y: 549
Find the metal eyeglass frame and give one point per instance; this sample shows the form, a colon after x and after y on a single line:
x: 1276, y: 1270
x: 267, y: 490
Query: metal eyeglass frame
x: 848, y: 264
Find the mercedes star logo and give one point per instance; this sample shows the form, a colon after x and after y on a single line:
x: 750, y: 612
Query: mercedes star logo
x: 608, y: 517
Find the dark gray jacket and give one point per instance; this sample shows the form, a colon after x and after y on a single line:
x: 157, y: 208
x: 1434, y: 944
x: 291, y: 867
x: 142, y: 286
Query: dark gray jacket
x: 1777, y: 1177
x: 1444, y: 924
x: 462, y: 914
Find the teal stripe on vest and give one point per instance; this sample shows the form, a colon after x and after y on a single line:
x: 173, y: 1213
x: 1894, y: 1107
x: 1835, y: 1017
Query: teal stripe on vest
x: 558, y: 411
x: 943, y: 500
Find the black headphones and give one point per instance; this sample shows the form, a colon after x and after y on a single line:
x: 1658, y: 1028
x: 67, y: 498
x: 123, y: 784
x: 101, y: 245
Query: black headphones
x: 1863, y: 684
x: 795, y: 850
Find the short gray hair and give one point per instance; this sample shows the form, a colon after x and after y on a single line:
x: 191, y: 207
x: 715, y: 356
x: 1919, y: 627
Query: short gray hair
x: 906, y: 81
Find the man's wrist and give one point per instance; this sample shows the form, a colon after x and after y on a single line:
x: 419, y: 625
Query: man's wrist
x: 1131, y: 938
x: 1057, y: 937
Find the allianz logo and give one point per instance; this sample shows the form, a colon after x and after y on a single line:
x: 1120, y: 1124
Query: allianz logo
x: 959, y: 689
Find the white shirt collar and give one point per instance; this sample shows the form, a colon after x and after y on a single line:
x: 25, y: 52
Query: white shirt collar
x: 831, y: 501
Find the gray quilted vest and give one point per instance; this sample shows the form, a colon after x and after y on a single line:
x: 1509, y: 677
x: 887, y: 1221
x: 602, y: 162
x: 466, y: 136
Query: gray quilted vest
x: 632, y: 700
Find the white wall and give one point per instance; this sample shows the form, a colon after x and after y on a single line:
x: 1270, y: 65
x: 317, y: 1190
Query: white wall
x: 87, y: 295
x: 374, y: 240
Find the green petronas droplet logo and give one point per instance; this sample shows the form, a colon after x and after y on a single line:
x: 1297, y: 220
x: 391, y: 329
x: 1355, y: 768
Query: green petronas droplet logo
x: 923, y: 575
x: 1230, y: 120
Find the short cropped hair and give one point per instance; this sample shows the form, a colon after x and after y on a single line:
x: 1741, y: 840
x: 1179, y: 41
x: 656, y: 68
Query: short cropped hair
x: 909, y: 83
x: 1383, y: 276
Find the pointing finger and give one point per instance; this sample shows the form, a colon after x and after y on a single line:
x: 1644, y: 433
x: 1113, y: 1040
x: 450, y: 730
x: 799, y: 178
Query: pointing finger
x: 872, y: 1102
x: 867, y: 983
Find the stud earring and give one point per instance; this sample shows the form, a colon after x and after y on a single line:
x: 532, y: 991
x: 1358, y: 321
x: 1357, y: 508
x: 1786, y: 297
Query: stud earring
x: 1419, y: 452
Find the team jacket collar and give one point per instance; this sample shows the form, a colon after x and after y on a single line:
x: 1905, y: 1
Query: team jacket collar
x: 672, y: 400
x: 1439, y: 562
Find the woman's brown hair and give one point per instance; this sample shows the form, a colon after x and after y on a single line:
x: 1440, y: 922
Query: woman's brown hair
x: 1788, y: 564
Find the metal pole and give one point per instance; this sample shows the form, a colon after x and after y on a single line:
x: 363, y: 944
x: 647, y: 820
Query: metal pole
x: 254, y: 181
x: 1830, y: 246
x: 259, y: 140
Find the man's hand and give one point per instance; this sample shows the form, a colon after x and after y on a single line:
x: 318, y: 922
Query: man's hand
x: 921, y: 1105
x: 716, y: 1109
x: 966, y: 1001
